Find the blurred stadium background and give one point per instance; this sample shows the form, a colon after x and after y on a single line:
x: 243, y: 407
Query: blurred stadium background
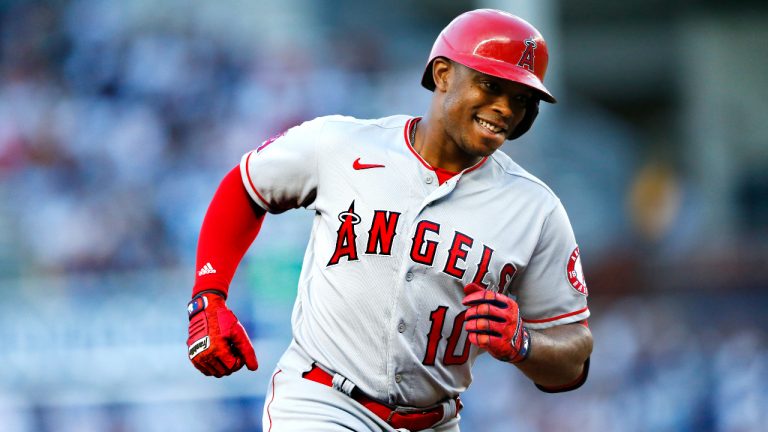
x: 119, y: 118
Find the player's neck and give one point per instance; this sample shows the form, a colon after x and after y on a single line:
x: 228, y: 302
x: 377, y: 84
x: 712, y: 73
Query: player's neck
x: 438, y: 149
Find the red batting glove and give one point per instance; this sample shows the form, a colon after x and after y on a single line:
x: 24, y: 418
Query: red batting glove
x: 218, y: 344
x: 494, y: 324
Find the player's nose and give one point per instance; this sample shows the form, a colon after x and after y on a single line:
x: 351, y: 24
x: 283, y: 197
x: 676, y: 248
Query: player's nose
x: 505, y: 108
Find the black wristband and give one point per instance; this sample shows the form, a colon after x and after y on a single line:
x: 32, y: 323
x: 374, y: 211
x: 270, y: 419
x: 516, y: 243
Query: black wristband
x: 199, y: 302
x: 525, y: 350
x: 219, y: 293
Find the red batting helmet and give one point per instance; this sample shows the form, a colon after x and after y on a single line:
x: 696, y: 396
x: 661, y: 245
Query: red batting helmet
x: 499, y: 44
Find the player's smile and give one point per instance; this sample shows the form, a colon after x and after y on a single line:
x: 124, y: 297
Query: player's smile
x: 484, y: 139
x: 491, y: 129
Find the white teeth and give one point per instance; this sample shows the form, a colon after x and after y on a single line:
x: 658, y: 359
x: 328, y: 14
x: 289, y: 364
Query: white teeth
x: 489, y: 126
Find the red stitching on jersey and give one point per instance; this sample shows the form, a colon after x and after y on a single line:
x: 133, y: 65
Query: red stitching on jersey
x: 269, y: 416
x: 248, y: 174
x: 557, y: 317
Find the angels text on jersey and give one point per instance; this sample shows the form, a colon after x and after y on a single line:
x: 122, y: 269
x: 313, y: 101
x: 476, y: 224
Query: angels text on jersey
x: 424, y: 244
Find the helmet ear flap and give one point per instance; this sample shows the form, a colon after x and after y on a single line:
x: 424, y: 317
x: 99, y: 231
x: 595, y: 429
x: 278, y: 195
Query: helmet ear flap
x: 426, y: 80
x: 530, y: 115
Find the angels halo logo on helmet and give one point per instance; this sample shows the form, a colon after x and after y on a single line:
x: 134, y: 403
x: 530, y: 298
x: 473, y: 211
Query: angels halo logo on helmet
x: 499, y: 44
x: 527, y: 59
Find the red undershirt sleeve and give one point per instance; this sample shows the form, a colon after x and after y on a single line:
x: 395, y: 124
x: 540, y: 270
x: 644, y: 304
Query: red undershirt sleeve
x: 229, y: 228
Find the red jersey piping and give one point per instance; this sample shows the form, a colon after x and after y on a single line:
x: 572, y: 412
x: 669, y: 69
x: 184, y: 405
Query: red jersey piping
x: 269, y: 416
x: 248, y: 174
x: 555, y: 318
x: 406, y: 134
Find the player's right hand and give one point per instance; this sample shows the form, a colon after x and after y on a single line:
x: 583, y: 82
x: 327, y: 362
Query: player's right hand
x: 493, y: 322
x: 218, y: 344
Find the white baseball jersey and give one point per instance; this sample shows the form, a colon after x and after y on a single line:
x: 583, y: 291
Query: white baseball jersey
x: 379, y: 296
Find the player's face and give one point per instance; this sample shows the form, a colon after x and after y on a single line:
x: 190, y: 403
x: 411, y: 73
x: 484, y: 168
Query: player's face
x: 480, y: 110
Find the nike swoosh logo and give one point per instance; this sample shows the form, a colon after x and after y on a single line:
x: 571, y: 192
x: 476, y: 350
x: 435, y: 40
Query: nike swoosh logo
x: 360, y: 166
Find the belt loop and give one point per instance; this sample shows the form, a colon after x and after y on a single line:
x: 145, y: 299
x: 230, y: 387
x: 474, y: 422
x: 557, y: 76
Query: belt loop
x: 342, y: 384
x: 449, y: 410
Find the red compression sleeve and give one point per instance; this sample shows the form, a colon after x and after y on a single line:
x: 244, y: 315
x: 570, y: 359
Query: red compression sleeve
x: 231, y: 224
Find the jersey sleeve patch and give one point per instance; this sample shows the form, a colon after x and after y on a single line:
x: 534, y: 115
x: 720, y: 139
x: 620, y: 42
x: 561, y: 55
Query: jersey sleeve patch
x: 575, y: 273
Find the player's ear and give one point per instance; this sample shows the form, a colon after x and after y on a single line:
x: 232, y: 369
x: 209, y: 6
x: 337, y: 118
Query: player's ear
x: 442, y: 68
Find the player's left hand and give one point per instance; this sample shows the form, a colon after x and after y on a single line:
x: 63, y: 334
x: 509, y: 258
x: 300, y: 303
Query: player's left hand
x: 493, y: 322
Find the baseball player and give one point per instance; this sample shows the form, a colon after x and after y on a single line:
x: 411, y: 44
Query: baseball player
x: 429, y: 247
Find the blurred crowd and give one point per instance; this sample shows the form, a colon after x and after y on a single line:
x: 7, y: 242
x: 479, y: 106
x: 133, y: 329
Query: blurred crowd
x: 116, y: 126
x: 115, y: 129
x: 114, y: 133
x: 95, y: 120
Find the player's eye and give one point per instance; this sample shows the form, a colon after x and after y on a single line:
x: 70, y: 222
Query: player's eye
x: 491, y: 86
x: 521, y: 100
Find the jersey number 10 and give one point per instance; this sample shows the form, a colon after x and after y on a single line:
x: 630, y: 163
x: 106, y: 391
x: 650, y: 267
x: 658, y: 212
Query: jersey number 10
x: 437, y: 317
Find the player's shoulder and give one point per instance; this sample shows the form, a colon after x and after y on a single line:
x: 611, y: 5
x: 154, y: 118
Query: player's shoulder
x: 517, y: 178
x: 333, y: 132
x: 340, y: 122
x: 338, y: 131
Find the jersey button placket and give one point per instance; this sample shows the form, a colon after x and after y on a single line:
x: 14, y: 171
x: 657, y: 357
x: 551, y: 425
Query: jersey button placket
x: 428, y: 179
x: 409, y: 276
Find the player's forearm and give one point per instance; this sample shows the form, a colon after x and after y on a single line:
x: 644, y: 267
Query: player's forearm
x: 229, y: 228
x: 557, y: 355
